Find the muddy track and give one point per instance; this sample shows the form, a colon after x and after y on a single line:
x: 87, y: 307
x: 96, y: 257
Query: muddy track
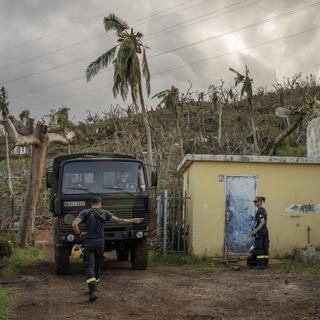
x: 156, y: 294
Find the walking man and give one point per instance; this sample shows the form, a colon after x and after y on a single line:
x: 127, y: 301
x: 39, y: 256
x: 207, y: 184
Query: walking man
x: 94, y: 220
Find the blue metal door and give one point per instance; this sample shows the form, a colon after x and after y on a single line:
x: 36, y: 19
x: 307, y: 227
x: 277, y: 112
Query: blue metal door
x: 240, y: 192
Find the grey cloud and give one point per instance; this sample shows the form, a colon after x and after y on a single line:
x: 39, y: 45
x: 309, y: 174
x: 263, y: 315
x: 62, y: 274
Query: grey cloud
x: 21, y: 21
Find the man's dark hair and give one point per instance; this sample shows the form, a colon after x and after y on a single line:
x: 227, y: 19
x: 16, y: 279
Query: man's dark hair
x: 96, y: 200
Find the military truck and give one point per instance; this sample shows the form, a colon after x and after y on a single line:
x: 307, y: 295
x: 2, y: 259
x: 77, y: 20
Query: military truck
x: 73, y: 179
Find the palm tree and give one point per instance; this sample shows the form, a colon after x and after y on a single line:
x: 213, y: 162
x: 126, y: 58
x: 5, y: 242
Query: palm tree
x: 24, y: 115
x: 4, y: 109
x: 128, y: 71
x: 62, y: 117
x: 51, y: 122
x: 170, y: 99
x: 247, y: 89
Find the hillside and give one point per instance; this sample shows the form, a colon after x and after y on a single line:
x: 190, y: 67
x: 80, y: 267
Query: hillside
x: 121, y: 130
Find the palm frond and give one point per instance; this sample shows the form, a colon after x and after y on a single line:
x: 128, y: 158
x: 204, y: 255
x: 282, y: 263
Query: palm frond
x: 134, y: 76
x: 116, y: 80
x: 145, y: 71
x: 161, y: 94
x: 102, y: 62
x: 112, y: 22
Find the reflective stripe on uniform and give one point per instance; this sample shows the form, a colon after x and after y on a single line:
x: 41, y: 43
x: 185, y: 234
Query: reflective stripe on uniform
x: 91, y: 280
x: 262, y: 257
x: 98, y: 280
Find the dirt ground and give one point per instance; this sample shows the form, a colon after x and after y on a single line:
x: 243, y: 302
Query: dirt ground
x: 158, y: 294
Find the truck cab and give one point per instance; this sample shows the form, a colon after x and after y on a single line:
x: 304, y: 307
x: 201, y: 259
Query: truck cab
x: 121, y: 182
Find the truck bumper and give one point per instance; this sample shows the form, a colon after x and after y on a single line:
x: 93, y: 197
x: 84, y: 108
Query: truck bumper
x: 109, y: 235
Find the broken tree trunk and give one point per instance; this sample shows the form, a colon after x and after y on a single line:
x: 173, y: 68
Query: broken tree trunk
x: 28, y: 214
x: 34, y: 134
x: 285, y: 134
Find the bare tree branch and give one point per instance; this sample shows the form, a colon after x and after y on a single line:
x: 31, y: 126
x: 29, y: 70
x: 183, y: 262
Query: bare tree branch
x: 16, y: 137
x: 58, y: 138
x: 22, y: 128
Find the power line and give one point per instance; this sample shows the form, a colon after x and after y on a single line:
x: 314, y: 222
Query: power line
x: 86, y: 40
x: 191, y: 64
x: 282, y: 15
x: 202, y: 18
x: 85, y: 57
x: 66, y: 28
x: 82, y: 42
x: 240, y: 50
x: 99, y: 16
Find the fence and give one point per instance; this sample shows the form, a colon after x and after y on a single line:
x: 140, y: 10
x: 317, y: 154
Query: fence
x: 172, y: 226
x: 10, y: 210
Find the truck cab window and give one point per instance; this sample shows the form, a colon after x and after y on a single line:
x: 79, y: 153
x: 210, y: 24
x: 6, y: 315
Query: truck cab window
x: 103, y: 177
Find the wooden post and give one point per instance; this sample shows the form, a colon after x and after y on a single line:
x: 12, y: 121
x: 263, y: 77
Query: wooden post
x: 179, y: 221
x: 165, y: 222
x: 159, y: 214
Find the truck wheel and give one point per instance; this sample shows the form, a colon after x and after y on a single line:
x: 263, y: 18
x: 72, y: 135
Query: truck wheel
x: 61, y: 259
x: 122, y: 255
x: 139, y: 255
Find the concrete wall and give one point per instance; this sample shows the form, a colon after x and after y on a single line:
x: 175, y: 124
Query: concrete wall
x: 313, y: 138
x: 293, y: 203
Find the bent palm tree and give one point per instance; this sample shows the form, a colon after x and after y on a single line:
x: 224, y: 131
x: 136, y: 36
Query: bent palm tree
x: 247, y: 89
x: 127, y: 70
x: 169, y: 99
x: 4, y: 109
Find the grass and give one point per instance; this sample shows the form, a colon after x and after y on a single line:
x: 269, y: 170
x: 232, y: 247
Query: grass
x: 21, y: 257
x: 183, y: 262
x: 291, y: 266
x: 7, y: 303
x: 188, y: 263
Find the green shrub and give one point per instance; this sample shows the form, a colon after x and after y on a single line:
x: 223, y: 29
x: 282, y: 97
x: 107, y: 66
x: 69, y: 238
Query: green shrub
x: 5, y: 248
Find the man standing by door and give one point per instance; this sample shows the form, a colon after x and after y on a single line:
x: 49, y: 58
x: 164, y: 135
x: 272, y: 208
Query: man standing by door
x: 94, y: 220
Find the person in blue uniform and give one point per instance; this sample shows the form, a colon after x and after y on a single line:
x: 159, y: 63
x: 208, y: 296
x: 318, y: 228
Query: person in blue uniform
x: 261, y: 234
x: 94, y: 220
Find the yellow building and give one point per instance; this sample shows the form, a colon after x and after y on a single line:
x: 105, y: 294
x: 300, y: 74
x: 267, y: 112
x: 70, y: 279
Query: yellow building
x: 220, y: 210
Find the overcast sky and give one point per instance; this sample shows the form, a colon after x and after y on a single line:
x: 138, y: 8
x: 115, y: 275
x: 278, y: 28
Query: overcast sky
x: 45, y: 46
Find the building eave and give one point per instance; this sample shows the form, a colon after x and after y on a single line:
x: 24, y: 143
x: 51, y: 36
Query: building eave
x: 190, y: 158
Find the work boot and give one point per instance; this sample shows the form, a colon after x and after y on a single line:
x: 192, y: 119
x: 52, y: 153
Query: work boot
x: 92, y: 291
x: 93, y: 296
x: 261, y: 265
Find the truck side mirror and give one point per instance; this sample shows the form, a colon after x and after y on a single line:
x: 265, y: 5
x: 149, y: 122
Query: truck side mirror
x: 49, y: 178
x: 154, y: 178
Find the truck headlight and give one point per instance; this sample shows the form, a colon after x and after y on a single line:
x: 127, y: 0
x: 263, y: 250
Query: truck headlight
x: 70, y: 237
x: 139, y: 234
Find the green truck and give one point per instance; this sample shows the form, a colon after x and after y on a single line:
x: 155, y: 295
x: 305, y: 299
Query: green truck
x: 73, y: 179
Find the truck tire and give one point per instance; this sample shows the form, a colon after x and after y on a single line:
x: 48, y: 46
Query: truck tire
x: 139, y: 255
x: 122, y: 255
x: 61, y: 259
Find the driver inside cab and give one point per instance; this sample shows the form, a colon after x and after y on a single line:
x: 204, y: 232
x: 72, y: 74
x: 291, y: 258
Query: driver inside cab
x: 124, y: 182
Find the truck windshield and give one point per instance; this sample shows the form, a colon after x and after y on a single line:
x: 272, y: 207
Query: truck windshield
x: 103, y: 177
